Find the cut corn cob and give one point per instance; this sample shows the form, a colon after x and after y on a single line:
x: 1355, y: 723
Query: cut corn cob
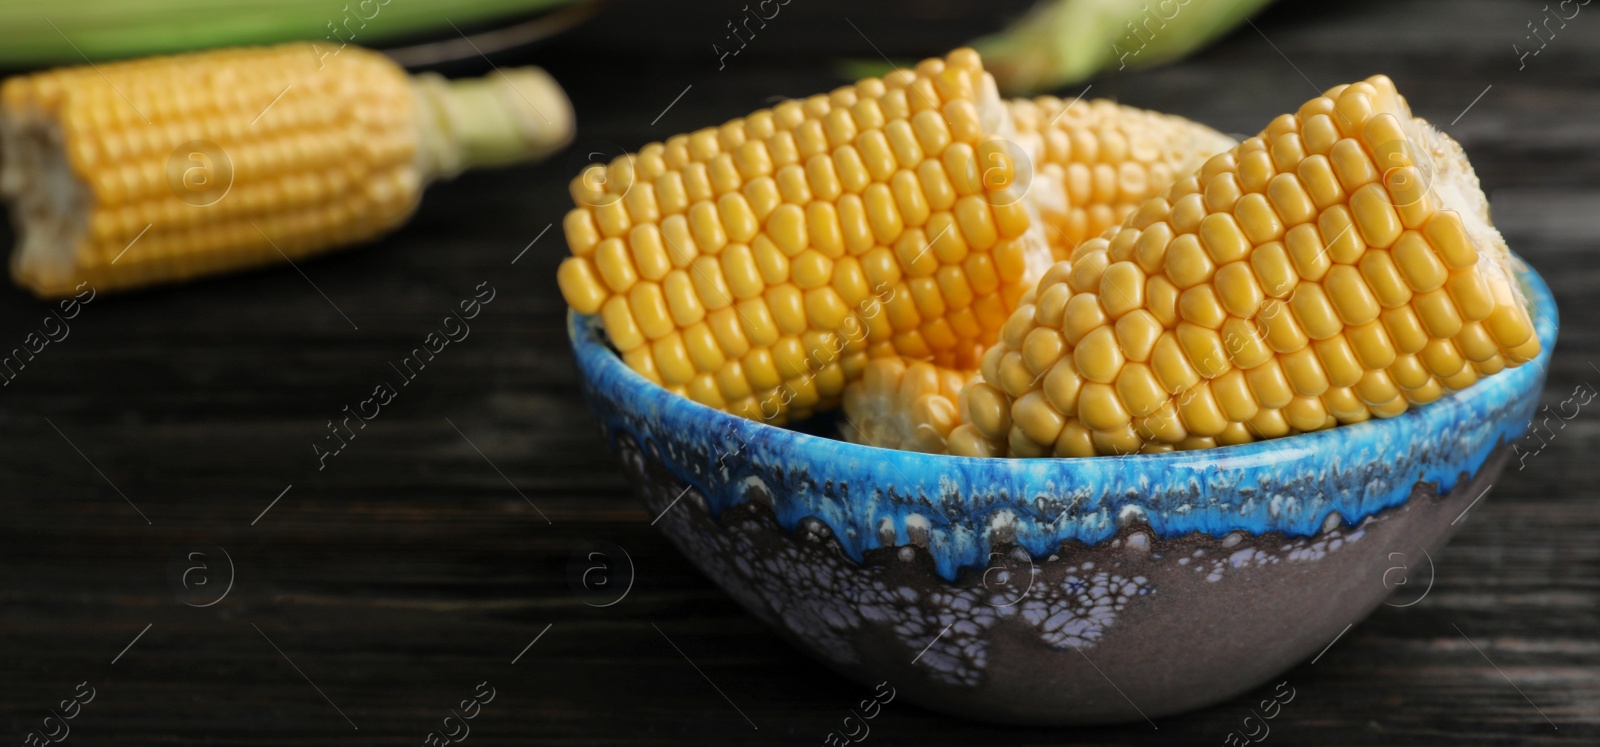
x: 163, y: 169
x: 1098, y: 160
x: 1340, y: 265
x: 756, y: 267
x: 901, y: 404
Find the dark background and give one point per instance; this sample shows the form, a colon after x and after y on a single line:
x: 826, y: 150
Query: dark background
x: 408, y: 571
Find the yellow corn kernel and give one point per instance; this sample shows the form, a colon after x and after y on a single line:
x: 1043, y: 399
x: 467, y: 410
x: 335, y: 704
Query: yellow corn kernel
x: 1099, y: 408
x: 1274, y: 269
x: 1171, y: 365
x: 619, y: 317
x: 1339, y: 361
x: 1098, y: 357
x: 1269, y: 385
x: 1222, y: 192
x: 1375, y: 217
x: 1371, y: 345
x: 1438, y: 314
x: 1199, y: 306
x: 1290, y: 201
x: 1352, y: 298
x: 1475, y: 342
x: 1314, y: 311
x: 1187, y: 263
x: 1346, y: 405
x: 1226, y: 242
x: 1137, y: 333
x: 580, y: 285
x: 1442, y: 358
x: 1448, y: 237
x: 1316, y: 175
x: 1237, y: 290
x: 1256, y: 170
x: 1471, y: 294
x: 1121, y: 289
x: 1409, y: 372
x: 987, y: 409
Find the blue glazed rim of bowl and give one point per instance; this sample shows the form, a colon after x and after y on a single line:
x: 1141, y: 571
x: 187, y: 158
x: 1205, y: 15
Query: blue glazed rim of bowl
x: 961, y: 507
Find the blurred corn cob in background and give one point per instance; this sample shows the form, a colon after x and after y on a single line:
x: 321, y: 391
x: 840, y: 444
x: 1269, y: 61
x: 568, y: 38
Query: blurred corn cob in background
x: 1062, y: 42
x: 169, y: 168
x: 757, y: 266
x: 46, y: 32
x: 1338, y: 266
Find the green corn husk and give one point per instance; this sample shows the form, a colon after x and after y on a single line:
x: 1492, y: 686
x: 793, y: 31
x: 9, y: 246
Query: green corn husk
x: 48, y: 32
x: 1063, y: 42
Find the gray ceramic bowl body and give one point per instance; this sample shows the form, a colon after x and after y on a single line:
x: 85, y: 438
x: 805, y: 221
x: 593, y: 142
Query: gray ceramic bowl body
x: 1062, y: 591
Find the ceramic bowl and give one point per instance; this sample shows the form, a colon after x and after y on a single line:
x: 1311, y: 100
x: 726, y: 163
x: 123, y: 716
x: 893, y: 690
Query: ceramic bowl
x: 1061, y: 591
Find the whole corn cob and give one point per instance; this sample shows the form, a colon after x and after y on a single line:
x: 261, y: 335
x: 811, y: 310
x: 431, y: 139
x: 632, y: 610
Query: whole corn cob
x: 757, y: 266
x: 35, y: 32
x: 1340, y: 265
x: 163, y: 169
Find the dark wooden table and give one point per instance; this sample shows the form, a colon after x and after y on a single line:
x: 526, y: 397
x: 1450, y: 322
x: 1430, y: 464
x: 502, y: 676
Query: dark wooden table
x: 415, y: 565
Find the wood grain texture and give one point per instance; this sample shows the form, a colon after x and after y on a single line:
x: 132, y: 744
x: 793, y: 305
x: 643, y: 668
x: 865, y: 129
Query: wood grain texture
x: 408, y: 571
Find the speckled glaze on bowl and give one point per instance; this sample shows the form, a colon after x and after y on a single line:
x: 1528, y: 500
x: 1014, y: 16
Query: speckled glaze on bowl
x: 1060, y: 591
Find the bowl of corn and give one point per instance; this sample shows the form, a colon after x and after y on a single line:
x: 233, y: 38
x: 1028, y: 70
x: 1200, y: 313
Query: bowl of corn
x: 1158, y: 406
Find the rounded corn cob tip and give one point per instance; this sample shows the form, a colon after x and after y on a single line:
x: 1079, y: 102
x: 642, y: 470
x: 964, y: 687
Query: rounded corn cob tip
x: 756, y: 267
x: 163, y: 169
x: 1338, y: 266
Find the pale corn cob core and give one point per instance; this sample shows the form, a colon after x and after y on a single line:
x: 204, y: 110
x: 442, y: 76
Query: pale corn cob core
x: 293, y: 152
x: 907, y: 405
x: 1338, y: 266
x: 756, y: 267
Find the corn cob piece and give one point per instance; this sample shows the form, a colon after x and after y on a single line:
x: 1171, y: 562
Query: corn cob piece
x: 757, y: 267
x: 1098, y: 160
x: 163, y: 169
x: 1338, y: 266
x: 903, y: 404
